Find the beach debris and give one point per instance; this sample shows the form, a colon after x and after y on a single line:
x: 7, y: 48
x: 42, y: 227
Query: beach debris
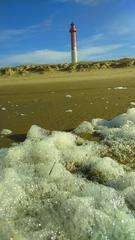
x: 52, y: 168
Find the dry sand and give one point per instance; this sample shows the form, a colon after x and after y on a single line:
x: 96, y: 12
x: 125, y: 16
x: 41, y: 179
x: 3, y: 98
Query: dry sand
x: 41, y: 99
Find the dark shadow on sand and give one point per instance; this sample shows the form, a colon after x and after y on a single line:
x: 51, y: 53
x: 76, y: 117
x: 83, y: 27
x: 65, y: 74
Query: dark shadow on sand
x: 68, y: 130
x: 17, y: 137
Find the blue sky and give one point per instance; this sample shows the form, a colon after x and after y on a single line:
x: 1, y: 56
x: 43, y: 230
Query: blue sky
x: 37, y: 31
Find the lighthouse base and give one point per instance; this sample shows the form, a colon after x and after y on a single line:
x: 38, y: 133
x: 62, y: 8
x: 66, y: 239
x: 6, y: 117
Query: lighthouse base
x: 74, y: 55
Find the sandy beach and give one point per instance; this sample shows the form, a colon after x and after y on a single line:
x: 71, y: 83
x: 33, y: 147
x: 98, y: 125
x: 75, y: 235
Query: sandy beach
x: 61, y: 101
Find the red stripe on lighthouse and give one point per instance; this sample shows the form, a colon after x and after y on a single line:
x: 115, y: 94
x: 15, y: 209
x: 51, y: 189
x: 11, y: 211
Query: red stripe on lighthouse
x: 73, y: 40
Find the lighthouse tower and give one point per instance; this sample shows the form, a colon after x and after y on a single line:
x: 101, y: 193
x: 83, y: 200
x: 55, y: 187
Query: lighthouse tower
x: 73, y: 31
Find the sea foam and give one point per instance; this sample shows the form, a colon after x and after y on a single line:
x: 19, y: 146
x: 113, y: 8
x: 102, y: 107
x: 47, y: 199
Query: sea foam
x: 57, y: 185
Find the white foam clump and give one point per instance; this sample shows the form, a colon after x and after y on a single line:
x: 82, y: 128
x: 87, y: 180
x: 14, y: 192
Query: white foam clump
x: 22, y: 114
x: 107, y: 168
x: 68, y: 96
x: 3, y: 109
x: 122, y: 126
x: 37, y: 133
x: 5, y: 131
x: 132, y: 103
x: 58, y: 186
x: 69, y: 110
x: 84, y: 127
x: 120, y: 88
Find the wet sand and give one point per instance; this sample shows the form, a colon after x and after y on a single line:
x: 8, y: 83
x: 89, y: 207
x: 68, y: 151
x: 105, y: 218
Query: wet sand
x: 41, y: 99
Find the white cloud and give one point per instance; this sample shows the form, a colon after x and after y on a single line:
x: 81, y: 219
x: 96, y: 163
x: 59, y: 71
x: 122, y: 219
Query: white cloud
x: 92, y: 52
x: 37, y: 57
x: 122, y: 25
x: 91, y: 40
x: 86, y: 2
x: 51, y: 56
x: 9, y: 34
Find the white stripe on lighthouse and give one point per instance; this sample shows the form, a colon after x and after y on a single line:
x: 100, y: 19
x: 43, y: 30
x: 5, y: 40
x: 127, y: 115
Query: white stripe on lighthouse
x: 74, y: 55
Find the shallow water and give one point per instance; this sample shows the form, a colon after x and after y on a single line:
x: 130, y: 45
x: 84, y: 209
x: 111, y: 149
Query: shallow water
x: 56, y: 185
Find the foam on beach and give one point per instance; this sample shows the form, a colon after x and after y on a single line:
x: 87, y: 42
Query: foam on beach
x: 57, y: 185
x: 120, y: 88
x: 68, y: 96
x: 69, y: 110
x: 3, y: 109
x: 5, y: 132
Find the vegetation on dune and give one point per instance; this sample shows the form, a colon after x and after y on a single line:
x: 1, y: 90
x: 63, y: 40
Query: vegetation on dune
x: 78, y: 67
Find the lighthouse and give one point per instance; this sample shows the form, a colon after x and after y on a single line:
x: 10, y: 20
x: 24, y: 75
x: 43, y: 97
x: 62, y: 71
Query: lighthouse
x: 73, y: 31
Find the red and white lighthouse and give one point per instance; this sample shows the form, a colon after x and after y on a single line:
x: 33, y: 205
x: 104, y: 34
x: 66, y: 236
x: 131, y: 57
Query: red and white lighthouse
x: 73, y: 31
